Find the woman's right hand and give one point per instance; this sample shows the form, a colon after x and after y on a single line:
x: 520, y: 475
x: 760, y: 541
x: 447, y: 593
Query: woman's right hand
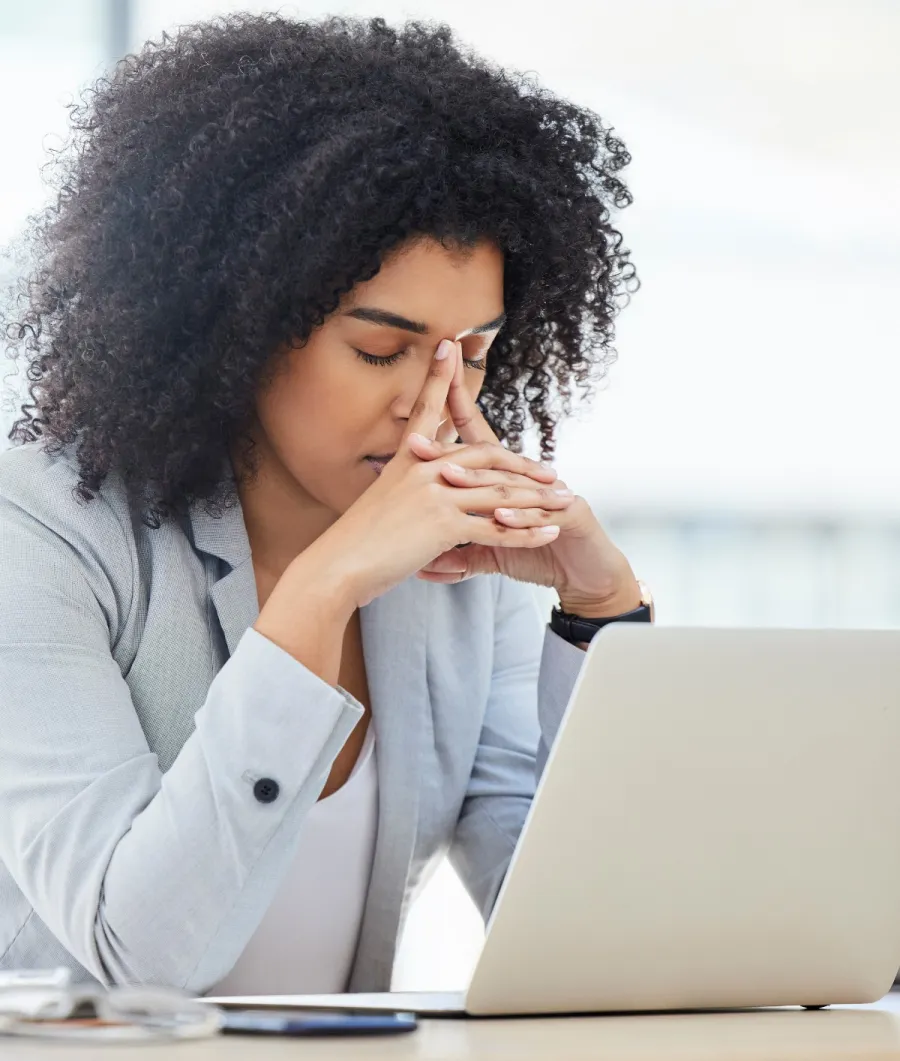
x: 411, y: 514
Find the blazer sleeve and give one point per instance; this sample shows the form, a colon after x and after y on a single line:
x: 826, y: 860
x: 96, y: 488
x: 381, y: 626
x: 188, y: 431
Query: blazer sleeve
x: 144, y: 877
x: 534, y: 672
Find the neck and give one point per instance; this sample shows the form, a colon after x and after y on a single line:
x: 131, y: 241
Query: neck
x: 281, y: 518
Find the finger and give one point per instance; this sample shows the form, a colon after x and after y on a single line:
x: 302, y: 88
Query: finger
x: 485, y: 499
x: 461, y: 476
x: 483, y: 455
x: 446, y: 433
x: 428, y: 408
x: 492, y: 533
x: 468, y: 418
x: 428, y: 449
x: 526, y: 517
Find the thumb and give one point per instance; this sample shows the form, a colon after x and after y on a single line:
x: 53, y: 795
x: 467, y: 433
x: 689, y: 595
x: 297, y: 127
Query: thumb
x: 461, y: 563
x: 452, y: 562
x: 448, y: 567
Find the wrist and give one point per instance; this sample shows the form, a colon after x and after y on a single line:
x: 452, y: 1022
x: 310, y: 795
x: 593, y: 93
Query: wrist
x: 306, y: 615
x: 625, y: 597
x: 326, y: 581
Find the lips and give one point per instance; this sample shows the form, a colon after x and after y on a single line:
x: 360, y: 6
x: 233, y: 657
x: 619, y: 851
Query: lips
x: 378, y: 463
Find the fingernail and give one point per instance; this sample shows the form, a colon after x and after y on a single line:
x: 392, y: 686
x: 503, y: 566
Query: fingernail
x: 549, y: 531
x: 419, y: 438
x: 455, y: 467
x: 564, y: 493
x: 443, y: 350
x: 548, y: 467
x: 506, y: 513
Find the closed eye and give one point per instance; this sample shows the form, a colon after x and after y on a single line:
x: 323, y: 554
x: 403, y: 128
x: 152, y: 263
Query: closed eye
x: 392, y: 359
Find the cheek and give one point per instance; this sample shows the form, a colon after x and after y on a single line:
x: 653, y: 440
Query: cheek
x: 313, y: 403
x: 299, y: 420
x: 286, y: 408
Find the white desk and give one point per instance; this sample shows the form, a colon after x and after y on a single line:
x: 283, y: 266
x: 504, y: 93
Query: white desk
x: 864, y: 1033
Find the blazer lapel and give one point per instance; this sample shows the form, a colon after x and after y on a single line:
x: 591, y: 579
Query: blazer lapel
x: 225, y: 537
x: 236, y: 603
x: 394, y: 629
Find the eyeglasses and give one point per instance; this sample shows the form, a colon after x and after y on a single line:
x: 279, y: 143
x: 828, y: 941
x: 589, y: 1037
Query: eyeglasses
x: 121, y: 1014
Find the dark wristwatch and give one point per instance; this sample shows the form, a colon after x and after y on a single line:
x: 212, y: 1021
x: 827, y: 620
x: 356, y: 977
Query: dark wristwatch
x: 577, y: 629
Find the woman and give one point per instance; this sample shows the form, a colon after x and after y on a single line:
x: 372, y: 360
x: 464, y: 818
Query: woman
x: 267, y: 651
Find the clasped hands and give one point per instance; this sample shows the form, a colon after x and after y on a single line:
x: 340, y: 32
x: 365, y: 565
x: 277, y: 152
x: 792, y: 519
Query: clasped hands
x: 590, y: 574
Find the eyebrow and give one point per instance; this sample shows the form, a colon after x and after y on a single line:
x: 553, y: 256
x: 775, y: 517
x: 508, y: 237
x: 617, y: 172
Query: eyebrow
x: 392, y: 320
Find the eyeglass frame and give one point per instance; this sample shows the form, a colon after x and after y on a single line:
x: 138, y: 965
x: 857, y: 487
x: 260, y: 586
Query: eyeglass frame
x: 117, y: 1014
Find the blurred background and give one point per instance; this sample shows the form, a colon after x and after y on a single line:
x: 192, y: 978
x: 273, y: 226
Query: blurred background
x: 744, y: 449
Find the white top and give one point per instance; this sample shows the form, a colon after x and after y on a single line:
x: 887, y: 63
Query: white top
x: 307, y: 938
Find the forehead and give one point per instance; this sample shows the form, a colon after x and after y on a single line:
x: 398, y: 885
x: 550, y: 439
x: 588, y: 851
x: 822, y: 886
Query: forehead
x: 449, y: 290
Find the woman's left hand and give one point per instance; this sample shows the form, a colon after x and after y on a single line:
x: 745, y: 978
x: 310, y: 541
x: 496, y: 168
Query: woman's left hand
x: 592, y: 577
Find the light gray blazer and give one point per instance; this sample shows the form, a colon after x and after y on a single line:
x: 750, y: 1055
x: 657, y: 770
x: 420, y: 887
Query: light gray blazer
x: 138, y: 708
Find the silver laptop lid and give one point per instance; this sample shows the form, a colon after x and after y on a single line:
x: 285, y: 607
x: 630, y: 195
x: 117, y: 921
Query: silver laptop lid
x: 717, y: 826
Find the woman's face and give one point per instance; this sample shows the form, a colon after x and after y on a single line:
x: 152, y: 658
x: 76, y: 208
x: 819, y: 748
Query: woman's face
x: 328, y: 408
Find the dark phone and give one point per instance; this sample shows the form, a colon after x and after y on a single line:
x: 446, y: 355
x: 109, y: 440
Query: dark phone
x: 316, y: 1022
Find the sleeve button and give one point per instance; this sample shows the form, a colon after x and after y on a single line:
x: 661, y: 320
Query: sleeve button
x: 266, y: 790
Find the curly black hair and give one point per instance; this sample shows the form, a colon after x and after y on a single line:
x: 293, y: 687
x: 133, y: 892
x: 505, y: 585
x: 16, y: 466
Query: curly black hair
x: 225, y: 186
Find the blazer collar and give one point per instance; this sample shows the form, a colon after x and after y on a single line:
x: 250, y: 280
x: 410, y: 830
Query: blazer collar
x: 394, y: 630
x: 224, y: 536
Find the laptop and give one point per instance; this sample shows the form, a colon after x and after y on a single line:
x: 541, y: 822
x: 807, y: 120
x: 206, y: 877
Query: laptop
x: 717, y: 827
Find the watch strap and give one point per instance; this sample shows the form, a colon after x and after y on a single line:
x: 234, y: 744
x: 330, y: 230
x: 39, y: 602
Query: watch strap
x: 576, y: 628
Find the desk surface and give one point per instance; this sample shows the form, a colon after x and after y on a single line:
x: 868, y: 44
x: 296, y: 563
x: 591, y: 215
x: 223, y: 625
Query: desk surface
x: 863, y: 1033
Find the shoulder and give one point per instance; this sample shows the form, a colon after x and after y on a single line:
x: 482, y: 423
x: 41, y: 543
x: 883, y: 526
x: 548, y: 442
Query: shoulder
x: 48, y: 534
x: 41, y: 486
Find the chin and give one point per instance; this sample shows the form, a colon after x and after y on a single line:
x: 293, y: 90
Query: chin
x: 333, y: 495
x: 342, y: 501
